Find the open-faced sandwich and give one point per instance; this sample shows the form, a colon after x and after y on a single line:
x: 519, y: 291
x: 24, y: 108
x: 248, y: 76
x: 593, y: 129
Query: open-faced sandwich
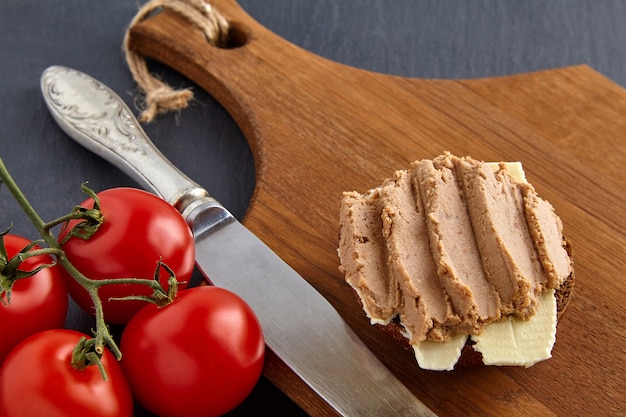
x: 459, y: 259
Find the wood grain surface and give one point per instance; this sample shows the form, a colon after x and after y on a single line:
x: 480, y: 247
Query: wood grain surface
x: 317, y: 128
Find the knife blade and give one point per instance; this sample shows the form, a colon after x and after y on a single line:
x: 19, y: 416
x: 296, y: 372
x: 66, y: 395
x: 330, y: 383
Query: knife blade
x: 300, y: 326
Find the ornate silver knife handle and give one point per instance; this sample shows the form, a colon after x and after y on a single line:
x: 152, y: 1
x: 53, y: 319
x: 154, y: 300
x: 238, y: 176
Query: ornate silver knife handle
x: 98, y: 119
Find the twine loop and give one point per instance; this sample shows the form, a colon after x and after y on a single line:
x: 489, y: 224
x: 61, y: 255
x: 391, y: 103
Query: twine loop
x: 161, y: 98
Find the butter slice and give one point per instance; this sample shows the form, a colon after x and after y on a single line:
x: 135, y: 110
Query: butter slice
x: 436, y: 356
x: 520, y: 342
x: 514, y: 169
x: 507, y: 342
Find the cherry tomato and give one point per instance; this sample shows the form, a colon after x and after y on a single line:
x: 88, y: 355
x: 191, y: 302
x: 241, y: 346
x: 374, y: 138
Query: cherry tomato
x: 199, y: 356
x: 37, y: 303
x: 37, y: 379
x: 139, y: 229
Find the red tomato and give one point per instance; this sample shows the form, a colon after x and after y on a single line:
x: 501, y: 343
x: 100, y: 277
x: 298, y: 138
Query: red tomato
x: 199, y: 356
x: 38, y: 379
x: 37, y: 303
x: 139, y: 229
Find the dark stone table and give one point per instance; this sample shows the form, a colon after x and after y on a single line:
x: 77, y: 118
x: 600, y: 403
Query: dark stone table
x: 426, y: 39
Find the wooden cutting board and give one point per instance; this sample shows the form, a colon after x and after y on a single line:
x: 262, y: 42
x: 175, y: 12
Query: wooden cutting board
x: 317, y: 128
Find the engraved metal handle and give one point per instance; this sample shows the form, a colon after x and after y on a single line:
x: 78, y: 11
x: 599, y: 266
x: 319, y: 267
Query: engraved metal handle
x: 97, y: 118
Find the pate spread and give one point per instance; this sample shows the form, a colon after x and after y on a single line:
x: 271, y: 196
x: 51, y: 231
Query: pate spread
x: 427, y: 310
x: 496, y: 206
x: 450, y: 246
x: 454, y: 246
x: 365, y: 262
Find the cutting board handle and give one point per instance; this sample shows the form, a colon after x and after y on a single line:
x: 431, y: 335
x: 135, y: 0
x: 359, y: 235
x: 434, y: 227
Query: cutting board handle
x: 257, y: 75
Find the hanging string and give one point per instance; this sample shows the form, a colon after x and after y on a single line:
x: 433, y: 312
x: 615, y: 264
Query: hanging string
x: 161, y: 98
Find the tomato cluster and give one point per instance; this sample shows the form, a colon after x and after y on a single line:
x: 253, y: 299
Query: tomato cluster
x: 201, y: 355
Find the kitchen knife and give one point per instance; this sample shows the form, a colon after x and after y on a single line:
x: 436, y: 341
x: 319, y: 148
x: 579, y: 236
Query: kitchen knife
x: 299, y: 325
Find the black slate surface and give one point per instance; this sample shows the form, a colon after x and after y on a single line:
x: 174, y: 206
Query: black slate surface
x: 427, y: 39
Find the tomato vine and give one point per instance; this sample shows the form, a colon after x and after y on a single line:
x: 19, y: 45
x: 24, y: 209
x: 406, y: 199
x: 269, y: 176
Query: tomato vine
x: 88, y: 352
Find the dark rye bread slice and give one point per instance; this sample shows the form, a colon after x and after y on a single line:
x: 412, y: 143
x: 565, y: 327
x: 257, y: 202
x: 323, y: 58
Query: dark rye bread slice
x: 388, y: 209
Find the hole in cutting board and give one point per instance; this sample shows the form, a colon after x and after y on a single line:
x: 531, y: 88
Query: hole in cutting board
x: 237, y: 36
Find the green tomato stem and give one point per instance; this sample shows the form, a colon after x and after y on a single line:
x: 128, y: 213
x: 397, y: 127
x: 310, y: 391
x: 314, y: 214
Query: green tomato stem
x: 21, y: 257
x: 20, y: 198
x: 63, y: 219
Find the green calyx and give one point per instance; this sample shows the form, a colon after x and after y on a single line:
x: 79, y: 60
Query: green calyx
x: 159, y: 296
x: 91, y: 219
x: 86, y: 354
x: 10, y: 271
